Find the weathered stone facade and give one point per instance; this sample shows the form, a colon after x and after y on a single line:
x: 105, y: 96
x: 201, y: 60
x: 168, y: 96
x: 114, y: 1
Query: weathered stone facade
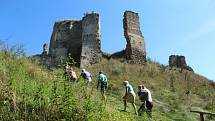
x: 79, y: 39
x: 179, y: 62
x: 135, y: 48
x: 66, y: 38
x: 91, y: 51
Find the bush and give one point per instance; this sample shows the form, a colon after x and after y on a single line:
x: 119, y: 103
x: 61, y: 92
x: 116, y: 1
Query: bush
x: 15, y: 50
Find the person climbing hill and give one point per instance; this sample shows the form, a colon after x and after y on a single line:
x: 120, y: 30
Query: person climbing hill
x: 103, y: 82
x: 145, y: 97
x: 87, y: 76
x: 73, y: 76
x: 67, y: 71
x: 129, y: 96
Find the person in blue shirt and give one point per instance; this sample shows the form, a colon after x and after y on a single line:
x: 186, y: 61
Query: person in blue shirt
x: 129, y: 96
x: 103, y: 82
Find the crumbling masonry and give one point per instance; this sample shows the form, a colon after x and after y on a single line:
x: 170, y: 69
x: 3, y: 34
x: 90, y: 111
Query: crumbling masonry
x: 81, y: 40
x: 91, y: 48
x: 78, y: 39
x: 179, y: 62
x: 135, y: 48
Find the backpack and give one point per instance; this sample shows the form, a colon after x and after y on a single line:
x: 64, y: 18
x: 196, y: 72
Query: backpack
x: 143, y: 95
x: 86, y: 75
x: 104, y: 83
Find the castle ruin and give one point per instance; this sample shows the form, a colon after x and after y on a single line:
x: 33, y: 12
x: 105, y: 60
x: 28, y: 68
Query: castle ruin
x: 80, y: 39
x: 135, y: 48
x: 179, y: 62
x: 91, y: 46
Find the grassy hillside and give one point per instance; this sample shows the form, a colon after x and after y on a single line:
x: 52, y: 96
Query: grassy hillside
x: 168, y: 86
x: 30, y: 92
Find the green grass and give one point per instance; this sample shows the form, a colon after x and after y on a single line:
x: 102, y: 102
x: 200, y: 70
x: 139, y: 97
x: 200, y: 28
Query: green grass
x: 31, y: 92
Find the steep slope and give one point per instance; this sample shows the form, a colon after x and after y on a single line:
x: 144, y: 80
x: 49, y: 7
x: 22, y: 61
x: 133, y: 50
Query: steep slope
x: 175, y: 92
x: 30, y: 92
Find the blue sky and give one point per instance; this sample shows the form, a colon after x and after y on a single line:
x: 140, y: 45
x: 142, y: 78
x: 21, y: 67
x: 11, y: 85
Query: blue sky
x: 184, y: 27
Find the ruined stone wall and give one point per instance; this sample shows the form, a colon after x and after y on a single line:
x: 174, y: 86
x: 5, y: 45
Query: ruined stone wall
x: 66, y: 38
x: 179, y: 62
x: 91, y: 51
x: 75, y: 41
x: 79, y: 39
x: 135, y: 48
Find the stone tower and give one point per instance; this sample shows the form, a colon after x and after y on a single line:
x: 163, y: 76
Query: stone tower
x: 91, y: 52
x: 78, y: 39
x: 65, y: 39
x: 179, y: 62
x: 135, y: 48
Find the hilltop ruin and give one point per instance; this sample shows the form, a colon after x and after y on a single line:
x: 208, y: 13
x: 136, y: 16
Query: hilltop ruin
x: 179, y: 62
x: 80, y: 39
x: 135, y: 48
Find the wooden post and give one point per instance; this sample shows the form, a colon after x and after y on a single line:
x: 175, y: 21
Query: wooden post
x: 202, y: 116
x: 201, y: 113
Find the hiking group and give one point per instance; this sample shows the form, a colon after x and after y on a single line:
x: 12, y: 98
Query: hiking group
x: 143, y: 93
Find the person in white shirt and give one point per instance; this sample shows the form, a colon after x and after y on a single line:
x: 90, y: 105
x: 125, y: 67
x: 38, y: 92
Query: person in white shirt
x: 145, y: 97
x: 87, y: 76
